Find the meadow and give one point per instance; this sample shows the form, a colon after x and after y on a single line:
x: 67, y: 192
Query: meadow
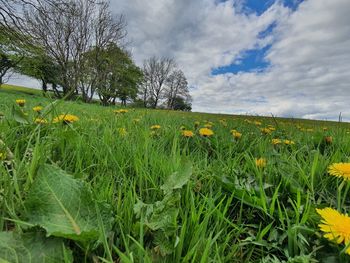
x: 87, y: 183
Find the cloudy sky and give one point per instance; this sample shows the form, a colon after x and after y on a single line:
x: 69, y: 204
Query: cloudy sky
x: 282, y: 57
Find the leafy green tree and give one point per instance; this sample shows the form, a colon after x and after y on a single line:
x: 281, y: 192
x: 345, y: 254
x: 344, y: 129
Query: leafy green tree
x: 111, y: 73
x: 38, y: 65
x: 180, y: 103
x: 11, y: 53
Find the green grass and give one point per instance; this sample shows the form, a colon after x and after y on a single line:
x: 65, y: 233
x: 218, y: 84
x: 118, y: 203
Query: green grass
x: 223, y: 208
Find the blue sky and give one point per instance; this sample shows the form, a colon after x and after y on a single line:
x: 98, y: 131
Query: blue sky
x: 254, y: 60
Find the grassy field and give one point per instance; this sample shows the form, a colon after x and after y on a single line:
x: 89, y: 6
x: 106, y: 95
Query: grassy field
x: 115, y: 187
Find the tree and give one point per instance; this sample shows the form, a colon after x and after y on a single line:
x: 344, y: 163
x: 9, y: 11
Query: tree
x: 114, y: 74
x: 181, y: 104
x: 11, y: 52
x: 38, y: 65
x: 66, y: 30
x: 156, y: 73
x: 177, y: 86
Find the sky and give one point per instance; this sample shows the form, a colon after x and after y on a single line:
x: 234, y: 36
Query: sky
x: 289, y: 58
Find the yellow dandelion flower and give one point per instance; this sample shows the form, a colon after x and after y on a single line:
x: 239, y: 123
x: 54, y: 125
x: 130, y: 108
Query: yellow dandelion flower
x: 21, y: 102
x: 260, y: 163
x: 265, y: 130
x: 38, y: 109
x: 155, y: 127
x: 288, y: 142
x: 335, y: 225
x: 65, y: 118
x: 122, y: 132
x: 187, y: 133
x: 257, y: 123
x: 206, y: 132
x: 40, y: 121
x: 276, y: 141
x: 121, y: 111
x: 340, y: 170
x: 236, y: 134
x: 208, y: 126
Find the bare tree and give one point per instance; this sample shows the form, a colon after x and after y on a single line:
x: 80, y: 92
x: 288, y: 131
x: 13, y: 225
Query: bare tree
x: 67, y: 30
x: 156, y: 73
x: 177, y: 86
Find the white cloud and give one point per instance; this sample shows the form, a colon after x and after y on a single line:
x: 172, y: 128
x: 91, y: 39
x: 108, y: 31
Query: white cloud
x: 310, y: 53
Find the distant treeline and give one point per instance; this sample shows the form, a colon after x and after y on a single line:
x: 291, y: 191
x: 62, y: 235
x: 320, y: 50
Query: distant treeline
x: 78, y: 48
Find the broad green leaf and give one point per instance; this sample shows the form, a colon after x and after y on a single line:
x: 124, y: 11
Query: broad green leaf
x: 32, y: 247
x: 19, y: 116
x: 160, y: 215
x: 178, y: 179
x: 64, y: 206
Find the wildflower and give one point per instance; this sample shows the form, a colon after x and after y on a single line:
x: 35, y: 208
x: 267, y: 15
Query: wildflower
x: 136, y: 120
x: 265, y: 130
x: 335, y: 225
x: 236, y: 134
x: 182, y: 128
x: 208, y: 125
x: 276, y: 141
x: 21, y: 102
x: 325, y: 128
x: 205, y: 132
x: 187, y: 133
x: 196, y: 124
x: 40, y: 121
x: 122, y: 132
x: 260, y: 163
x: 289, y: 142
x: 38, y: 109
x: 340, y: 170
x: 257, y: 123
x: 66, y: 118
x: 155, y: 127
x: 121, y: 111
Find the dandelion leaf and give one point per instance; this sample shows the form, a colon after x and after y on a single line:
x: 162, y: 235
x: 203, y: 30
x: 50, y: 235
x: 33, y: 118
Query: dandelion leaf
x: 32, y: 247
x: 178, y: 179
x: 65, y: 207
x: 19, y: 116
